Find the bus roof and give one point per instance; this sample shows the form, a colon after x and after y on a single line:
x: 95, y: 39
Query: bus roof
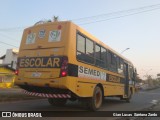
x: 88, y: 35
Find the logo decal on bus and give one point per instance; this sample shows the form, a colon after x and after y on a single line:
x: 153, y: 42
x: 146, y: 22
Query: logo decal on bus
x: 91, y: 73
x: 42, y: 33
x: 54, y: 36
x: 114, y: 79
x: 31, y: 38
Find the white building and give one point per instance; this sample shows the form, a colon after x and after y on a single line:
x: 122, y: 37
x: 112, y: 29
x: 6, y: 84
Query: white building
x: 0, y: 61
x: 10, y: 58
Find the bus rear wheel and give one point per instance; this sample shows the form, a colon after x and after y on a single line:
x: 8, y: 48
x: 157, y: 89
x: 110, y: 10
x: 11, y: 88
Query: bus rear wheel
x: 57, y: 101
x: 96, y: 101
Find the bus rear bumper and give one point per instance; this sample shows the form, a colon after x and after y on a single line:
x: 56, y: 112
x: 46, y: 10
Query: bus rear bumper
x: 47, y: 95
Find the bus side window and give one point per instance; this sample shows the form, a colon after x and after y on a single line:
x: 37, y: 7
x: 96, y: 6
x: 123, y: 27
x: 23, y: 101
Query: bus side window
x: 112, y: 61
x: 97, y: 52
x: 80, y: 47
x: 85, y: 49
x: 100, y: 56
x: 89, y: 51
x: 120, y: 66
x: 80, y: 44
x: 103, y: 57
x: 106, y: 60
x: 109, y: 60
x: 89, y: 48
x: 131, y: 73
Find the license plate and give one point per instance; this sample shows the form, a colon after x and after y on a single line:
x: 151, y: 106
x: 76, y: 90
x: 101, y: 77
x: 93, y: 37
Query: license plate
x: 7, y: 81
x: 36, y: 74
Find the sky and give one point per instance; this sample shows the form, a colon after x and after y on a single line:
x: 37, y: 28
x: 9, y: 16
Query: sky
x: 134, y: 29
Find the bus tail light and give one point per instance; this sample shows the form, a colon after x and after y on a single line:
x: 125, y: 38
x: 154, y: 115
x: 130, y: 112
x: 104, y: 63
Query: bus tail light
x: 64, y: 67
x: 16, y: 72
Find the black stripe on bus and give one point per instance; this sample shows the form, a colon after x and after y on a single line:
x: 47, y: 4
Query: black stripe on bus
x: 96, y: 83
x: 73, y: 71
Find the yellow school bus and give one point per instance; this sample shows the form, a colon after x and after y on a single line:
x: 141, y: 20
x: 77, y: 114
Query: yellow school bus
x: 61, y: 61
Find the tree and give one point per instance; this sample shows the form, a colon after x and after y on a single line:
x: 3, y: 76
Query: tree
x: 149, y: 80
x: 138, y: 79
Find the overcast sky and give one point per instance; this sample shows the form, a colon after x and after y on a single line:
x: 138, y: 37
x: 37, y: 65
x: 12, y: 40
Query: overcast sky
x: 133, y: 24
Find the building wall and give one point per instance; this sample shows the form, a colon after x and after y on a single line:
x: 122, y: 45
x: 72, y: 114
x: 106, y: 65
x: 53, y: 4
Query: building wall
x: 11, y: 58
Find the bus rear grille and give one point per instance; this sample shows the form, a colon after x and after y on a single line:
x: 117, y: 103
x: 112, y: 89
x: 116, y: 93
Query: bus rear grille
x: 47, y: 95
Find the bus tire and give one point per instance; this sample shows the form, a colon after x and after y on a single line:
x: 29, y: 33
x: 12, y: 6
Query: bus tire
x: 121, y: 97
x: 95, y: 102
x: 128, y: 99
x: 57, y: 101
